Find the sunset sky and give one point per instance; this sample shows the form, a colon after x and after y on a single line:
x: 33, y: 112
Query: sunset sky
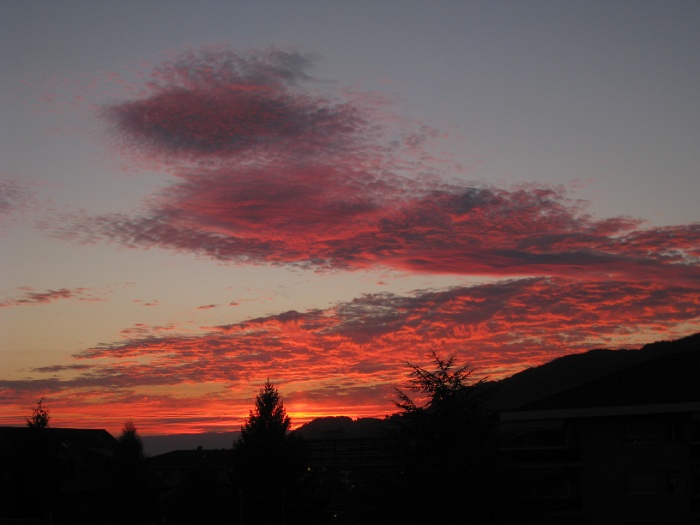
x: 196, y: 197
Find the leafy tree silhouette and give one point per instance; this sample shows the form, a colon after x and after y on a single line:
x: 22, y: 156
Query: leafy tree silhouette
x: 445, y: 447
x: 40, y: 416
x: 130, y: 444
x: 267, y: 460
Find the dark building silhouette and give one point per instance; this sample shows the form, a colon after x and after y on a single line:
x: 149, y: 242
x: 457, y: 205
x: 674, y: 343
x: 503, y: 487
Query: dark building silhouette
x: 621, y: 449
x: 173, y: 468
x: 345, y: 447
x: 56, y: 475
x: 195, y: 486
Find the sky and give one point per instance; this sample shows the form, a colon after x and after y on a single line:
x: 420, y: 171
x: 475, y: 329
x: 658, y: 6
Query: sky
x: 198, y: 197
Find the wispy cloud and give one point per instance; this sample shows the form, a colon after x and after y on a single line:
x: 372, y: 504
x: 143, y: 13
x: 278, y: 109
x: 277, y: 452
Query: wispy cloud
x: 13, y: 197
x: 154, y: 302
x: 29, y: 296
x: 521, y: 316
x: 348, y: 357
x: 207, y: 306
x: 267, y: 170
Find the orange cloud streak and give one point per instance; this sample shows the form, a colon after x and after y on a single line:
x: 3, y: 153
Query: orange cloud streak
x: 346, y: 359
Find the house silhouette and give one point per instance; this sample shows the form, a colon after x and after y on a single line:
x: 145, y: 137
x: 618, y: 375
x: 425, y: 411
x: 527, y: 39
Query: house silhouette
x: 56, y: 475
x: 624, y: 448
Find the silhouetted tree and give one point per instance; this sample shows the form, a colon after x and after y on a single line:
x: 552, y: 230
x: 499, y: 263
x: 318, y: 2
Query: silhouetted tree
x: 130, y: 444
x: 445, y: 447
x: 132, y: 500
x: 268, y: 424
x: 40, y: 416
x: 41, y: 470
x: 267, y: 460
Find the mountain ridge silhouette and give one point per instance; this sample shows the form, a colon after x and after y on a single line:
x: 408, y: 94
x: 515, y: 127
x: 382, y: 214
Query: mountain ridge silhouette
x: 574, y: 370
x: 524, y: 387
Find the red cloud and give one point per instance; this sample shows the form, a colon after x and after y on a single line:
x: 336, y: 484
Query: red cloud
x: 221, y: 105
x: 31, y: 297
x: 346, y: 359
x: 355, y: 223
x: 269, y: 171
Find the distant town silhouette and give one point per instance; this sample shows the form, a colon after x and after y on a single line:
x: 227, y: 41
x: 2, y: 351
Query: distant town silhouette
x: 607, y: 436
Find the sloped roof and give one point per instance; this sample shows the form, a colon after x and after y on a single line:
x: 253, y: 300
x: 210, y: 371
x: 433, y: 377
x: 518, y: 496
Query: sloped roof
x: 87, y: 455
x: 192, y: 458
x: 97, y: 440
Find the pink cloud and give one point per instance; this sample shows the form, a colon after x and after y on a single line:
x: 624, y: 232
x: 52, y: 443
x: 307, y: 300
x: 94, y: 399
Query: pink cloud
x: 267, y: 170
x: 221, y: 105
x: 469, y: 231
x: 31, y: 297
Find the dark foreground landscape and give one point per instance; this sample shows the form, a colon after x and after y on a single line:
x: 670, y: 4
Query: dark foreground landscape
x: 605, y: 437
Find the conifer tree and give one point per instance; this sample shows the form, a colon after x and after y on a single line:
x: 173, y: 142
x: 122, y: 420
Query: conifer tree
x: 269, y: 423
x: 266, y: 457
x: 130, y: 491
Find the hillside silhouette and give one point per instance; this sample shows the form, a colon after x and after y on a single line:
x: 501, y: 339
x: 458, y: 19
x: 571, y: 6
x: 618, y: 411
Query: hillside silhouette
x: 574, y: 370
x: 524, y: 387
